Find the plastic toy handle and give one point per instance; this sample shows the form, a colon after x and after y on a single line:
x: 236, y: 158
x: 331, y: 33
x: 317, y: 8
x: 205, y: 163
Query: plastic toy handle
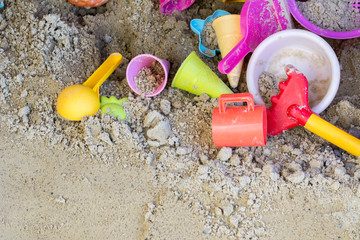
x: 103, y: 72
x: 333, y: 134
x: 231, y: 60
x: 236, y: 97
x: 197, y: 25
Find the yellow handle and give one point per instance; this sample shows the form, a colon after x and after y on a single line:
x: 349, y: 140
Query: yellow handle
x: 333, y: 134
x: 103, y: 72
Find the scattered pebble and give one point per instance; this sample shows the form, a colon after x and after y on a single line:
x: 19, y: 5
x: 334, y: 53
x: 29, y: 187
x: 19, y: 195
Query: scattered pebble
x: 24, y: 111
x: 225, y: 154
x: 165, y: 106
x: 207, y: 230
x: 160, y: 132
x: 107, y: 38
x: 296, y: 177
x: 227, y: 208
x: 234, y: 160
x: 183, y: 150
x: 339, y: 171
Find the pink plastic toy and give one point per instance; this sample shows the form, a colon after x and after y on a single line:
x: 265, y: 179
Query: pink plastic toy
x: 321, y: 31
x: 145, y: 60
x: 168, y: 6
x: 258, y: 20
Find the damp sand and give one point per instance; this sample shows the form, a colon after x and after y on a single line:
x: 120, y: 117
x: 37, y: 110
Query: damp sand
x: 334, y: 15
x: 149, y: 79
x: 208, y: 37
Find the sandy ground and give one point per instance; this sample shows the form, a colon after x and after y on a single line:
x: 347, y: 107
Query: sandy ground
x: 156, y: 174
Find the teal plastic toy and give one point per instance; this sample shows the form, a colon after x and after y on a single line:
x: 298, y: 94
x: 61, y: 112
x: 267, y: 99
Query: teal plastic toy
x: 197, y: 25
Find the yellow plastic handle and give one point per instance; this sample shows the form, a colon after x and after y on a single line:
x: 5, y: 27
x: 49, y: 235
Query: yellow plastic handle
x: 333, y: 134
x: 103, y: 72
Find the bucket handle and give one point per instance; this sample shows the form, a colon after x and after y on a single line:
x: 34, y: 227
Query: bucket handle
x: 236, y: 97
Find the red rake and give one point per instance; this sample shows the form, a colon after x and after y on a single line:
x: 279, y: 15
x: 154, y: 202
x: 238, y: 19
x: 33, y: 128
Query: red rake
x: 291, y: 108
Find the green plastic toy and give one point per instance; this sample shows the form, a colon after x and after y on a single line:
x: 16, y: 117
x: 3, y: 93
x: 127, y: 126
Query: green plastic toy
x: 113, y: 106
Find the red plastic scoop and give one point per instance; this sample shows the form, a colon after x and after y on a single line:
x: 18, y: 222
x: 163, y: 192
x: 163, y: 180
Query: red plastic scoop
x: 291, y: 108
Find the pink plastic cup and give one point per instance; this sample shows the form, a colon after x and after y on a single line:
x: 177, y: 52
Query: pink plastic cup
x: 168, y: 6
x: 145, y: 60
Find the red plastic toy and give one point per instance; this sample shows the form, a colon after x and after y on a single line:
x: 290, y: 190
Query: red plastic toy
x: 291, y: 108
x: 88, y: 3
x: 239, y: 126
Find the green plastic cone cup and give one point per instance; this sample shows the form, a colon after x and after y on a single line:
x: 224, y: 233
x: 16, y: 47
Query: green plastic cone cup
x: 196, y: 77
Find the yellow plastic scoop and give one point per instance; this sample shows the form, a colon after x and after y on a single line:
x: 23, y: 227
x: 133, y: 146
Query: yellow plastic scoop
x: 79, y: 100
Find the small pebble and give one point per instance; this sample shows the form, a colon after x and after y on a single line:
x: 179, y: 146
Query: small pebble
x: 296, y: 177
x: 207, y: 230
x: 224, y: 154
x: 244, y: 181
x: 183, y: 150
x: 357, y: 174
x: 24, y: 93
x: 107, y: 39
x: 234, y: 220
x: 160, y: 132
x: 339, y: 171
x: 227, y: 208
x: 24, y: 111
x: 165, y: 106
x: 235, y: 160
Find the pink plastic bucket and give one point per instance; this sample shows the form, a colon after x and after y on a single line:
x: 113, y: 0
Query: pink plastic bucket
x: 145, y: 60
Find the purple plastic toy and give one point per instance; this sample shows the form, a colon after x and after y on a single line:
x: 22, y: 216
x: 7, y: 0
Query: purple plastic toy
x: 145, y: 60
x: 258, y: 20
x: 318, y: 30
x: 168, y: 6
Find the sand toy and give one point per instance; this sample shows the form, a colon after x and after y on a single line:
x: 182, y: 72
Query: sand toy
x: 169, y: 6
x: 291, y: 108
x: 113, y: 106
x: 228, y: 34
x: 199, y: 26
x: 196, y: 77
x: 79, y: 100
x: 259, y: 19
x: 239, y: 126
x: 88, y: 3
x: 309, y: 53
x: 146, y: 60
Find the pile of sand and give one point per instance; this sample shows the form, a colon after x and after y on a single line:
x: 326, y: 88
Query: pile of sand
x: 156, y: 174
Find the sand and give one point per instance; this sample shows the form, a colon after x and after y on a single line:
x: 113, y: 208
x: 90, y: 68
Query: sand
x: 334, y: 15
x: 149, y: 79
x: 268, y: 87
x: 156, y: 174
x: 208, y: 37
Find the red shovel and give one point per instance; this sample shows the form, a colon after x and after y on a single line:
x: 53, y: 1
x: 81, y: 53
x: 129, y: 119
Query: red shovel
x: 291, y: 108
